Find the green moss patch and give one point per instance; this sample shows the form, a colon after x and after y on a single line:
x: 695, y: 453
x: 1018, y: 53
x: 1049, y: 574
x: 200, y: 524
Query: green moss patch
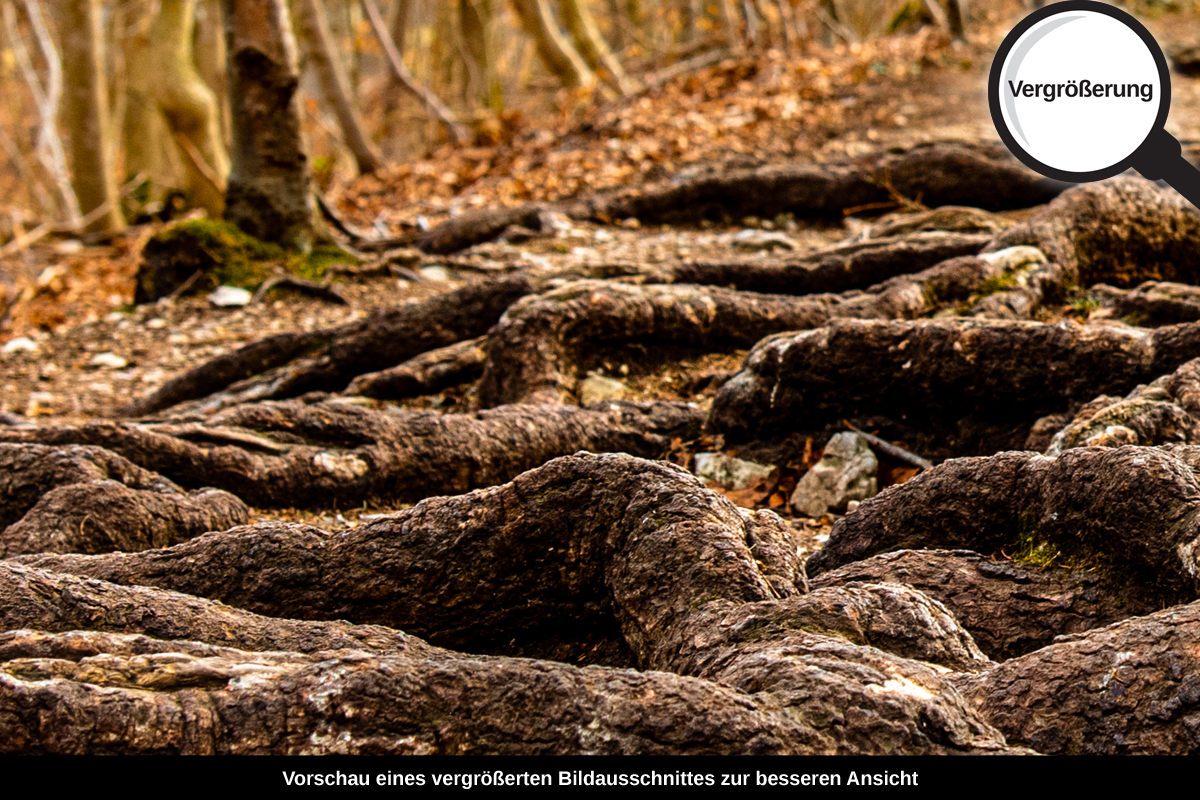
x: 223, y: 254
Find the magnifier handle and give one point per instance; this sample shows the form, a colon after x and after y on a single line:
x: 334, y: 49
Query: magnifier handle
x: 1161, y: 158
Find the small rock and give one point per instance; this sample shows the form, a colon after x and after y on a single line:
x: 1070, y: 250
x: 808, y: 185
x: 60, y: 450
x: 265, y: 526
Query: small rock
x: 845, y: 472
x: 758, y: 241
x: 434, y: 272
x: 156, y: 323
x: 21, y: 344
x: 229, y: 297
x: 632, y: 223
x: 554, y: 222
x: 596, y: 388
x: 732, y: 473
x: 107, y: 359
x: 515, y: 234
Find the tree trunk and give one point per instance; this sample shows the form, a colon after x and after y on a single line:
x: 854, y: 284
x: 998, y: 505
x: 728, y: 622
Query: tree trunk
x: 591, y: 44
x: 189, y: 106
x: 476, y: 20
x: 270, y: 192
x: 210, y: 57
x: 557, y: 54
x: 331, y: 74
x: 86, y: 112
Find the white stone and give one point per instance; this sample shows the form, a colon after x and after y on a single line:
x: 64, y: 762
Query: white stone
x: 107, y: 359
x: 732, y: 473
x: 596, y: 388
x: 21, y: 344
x: 229, y: 297
x: 846, y: 472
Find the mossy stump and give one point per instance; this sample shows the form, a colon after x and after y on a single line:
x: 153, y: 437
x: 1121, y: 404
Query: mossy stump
x: 210, y: 253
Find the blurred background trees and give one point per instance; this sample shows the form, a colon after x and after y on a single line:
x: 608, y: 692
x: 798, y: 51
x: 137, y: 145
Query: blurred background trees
x: 114, y: 110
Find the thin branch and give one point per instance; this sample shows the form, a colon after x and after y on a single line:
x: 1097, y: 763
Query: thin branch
x: 889, y: 449
x: 455, y: 128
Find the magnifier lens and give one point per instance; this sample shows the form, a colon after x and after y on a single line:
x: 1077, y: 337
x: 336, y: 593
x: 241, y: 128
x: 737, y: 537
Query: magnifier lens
x: 1080, y: 91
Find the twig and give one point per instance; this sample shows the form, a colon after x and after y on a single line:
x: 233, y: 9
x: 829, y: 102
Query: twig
x: 683, y: 67
x: 182, y: 288
x: 889, y: 449
x: 319, y: 290
x: 354, y: 234
x: 455, y: 128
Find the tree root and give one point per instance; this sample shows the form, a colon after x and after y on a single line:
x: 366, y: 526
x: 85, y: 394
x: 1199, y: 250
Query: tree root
x: 833, y: 269
x: 333, y: 357
x: 533, y: 355
x: 1128, y: 688
x: 947, y: 387
x: 87, y: 500
x: 293, y: 454
x: 946, y: 173
x: 1131, y: 513
x: 1121, y: 231
x: 1009, y: 608
x: 427, y: 373
x: 693, y: 584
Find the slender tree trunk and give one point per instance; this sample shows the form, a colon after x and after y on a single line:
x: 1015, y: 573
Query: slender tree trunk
x: 270, y: 186
x: 210, y: 57
x: 475, y: 20
x: 189, y: 106
x: 956, y: 18
x: 560, y: 58
x: 144, y: 130
x: 86, y: 111
x: 398, y: 28
x: 732, y: 25
x: 323, y: 55
x: 591, y: 44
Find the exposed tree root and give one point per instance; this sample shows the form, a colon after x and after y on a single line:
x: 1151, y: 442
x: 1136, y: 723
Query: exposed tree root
x: 695, y: 585
x: 87, y: 500
x: 947, y: 387
x: 427, y: 373
x: 1163, y: 412
x: 1121, y: 231
x: 38, y: 600
x: 1128, y: 688
x: 333, y: 357
x: 1131, y: 513
x: 1010, y: 608
x: 533, y: 355
x: 337, y: 455
x: 834, y: 269
x: 946, y: 173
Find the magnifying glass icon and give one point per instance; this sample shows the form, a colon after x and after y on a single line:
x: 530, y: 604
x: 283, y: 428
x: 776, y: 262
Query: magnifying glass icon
x: 1079, y: 92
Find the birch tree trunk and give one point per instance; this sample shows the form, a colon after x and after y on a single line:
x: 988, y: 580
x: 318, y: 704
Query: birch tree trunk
x: 85, y: 111
x: 270, y: 185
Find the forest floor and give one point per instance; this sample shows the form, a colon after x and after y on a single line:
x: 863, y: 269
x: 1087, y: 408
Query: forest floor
x: 84, y: 349
x: 75, y: 349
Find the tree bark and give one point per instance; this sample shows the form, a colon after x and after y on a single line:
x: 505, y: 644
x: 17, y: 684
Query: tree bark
x: 946, y: 387
x: 188, y: 105
x: 270, y: 189
x: 86, y: 113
